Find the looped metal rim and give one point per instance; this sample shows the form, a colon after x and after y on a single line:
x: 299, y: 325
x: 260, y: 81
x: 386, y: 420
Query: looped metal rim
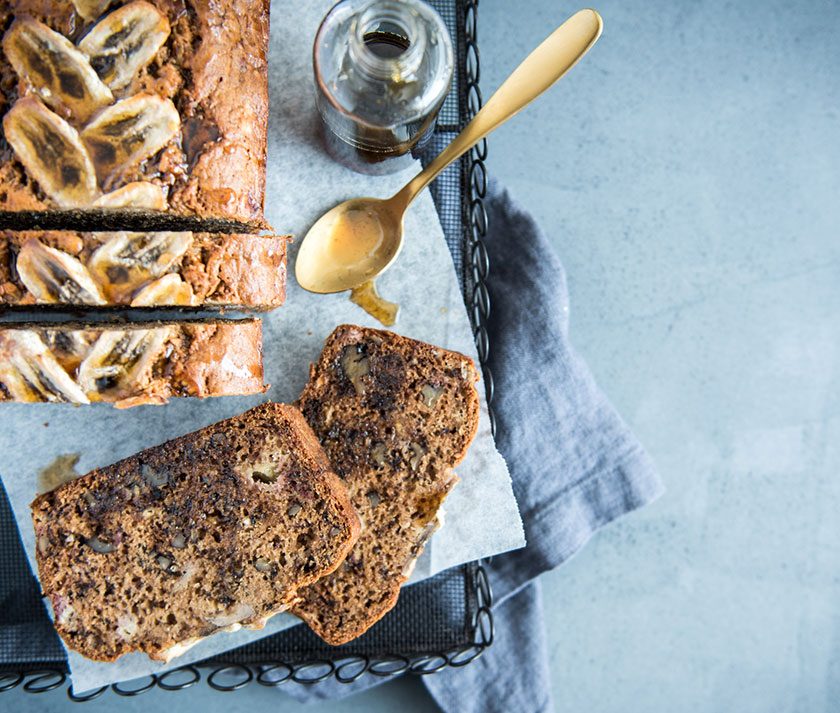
x: 85, y: 697
x: 465, y: 654
x: 363, y: 662
x: 478, y: 217
x: 36, y: 683
x: 426, y: 665
x: 481, y: 261
x: 195, y: 677
x: 479, y: 151
x: 485, y: 626
x: 483, y: 588
x: 474, y: 186
x: 234, y: 668
x: 390, y: 666
x: 471, y: 20
x: 15, y: 678
x: 119, y: 689
x: 474, y: 100
x: 473, y: 59
x: 264, y: 679
x: 478, y: 176
x: 299, y: 677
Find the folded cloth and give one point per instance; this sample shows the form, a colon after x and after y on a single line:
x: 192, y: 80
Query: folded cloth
x: 575, y: 466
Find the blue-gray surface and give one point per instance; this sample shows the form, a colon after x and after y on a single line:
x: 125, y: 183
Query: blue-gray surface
x: 689, y: 172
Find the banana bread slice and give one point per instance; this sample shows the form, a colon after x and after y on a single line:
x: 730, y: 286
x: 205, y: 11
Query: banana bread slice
x: 394, y: 416
x: 209, y: 532
x: 130, y: 364
x: 60, y: 268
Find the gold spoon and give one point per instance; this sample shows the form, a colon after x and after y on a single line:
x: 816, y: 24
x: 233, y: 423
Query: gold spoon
x: 360, y: 238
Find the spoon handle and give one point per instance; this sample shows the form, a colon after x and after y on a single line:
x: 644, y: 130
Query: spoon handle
x: 540, y: 69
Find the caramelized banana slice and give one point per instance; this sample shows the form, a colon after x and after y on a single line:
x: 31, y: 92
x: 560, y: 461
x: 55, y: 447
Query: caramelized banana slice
x: 53, y: 276
x: 69, y: 346
x: 130, y: 260
x: 129, y: 132
x: 139, y: 194
x: 91, y: 9
x: 118, y: 360
x: 29, y: 372
x: 125, y: 41
x: 167, y: 290
x: 50, y: 150
x: 56, y: 70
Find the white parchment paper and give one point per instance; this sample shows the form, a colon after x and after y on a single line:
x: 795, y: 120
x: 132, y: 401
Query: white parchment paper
x: 302, y: 183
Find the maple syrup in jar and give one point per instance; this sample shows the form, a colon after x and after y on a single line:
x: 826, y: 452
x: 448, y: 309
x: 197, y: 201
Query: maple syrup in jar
x: 382, y: 71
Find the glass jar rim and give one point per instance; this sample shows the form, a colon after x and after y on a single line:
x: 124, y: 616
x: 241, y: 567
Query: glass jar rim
x: 324, y: 54
x: 403, y: 18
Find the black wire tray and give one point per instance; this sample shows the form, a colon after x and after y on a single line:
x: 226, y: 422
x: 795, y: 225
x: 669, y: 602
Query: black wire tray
x: 443, y: 621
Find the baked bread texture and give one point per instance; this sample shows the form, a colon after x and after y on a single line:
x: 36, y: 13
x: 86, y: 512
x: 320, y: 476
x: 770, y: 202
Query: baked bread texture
x: 133, y: 114
x: 68, y: 268
x: 209, y: 532
x: 394, y: 416
x: 130, y: 364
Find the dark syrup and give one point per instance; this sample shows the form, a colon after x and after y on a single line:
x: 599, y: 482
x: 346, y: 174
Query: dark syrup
x: 386, y: 45
x: 400, y: 146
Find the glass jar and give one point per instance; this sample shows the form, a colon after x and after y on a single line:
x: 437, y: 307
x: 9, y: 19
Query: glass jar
x: 382, y: 71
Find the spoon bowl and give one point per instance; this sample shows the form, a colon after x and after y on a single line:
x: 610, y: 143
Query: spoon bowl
x: 350, y: 244
x: 360, y: 238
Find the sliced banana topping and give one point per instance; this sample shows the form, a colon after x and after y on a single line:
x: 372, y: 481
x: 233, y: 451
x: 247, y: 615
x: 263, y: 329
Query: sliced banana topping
x: 139, y: 194
x: 20, y: 386
x: 125, y: 41
x: 130, y: 260
x: 167, y: 290
x: 50, y: 150
x: 129, y: 132
x: 53, y: 276
x: 29, y: 371
x: 56, y: 70
x: 69, y: 346
x: 91, y: 9
x: 120, y: 359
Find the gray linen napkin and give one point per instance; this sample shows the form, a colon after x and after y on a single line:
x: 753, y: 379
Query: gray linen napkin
x: 575, y: 466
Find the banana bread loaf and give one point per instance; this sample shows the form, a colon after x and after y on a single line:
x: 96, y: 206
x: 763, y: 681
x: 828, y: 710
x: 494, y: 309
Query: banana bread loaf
x: 131, y: 364
x: 133, y: 114
x: 394, y: 416
x: 61, y: 268
x: 209, y: 532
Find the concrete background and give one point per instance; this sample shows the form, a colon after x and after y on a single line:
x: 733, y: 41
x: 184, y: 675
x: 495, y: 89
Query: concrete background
x: 689, y: 175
